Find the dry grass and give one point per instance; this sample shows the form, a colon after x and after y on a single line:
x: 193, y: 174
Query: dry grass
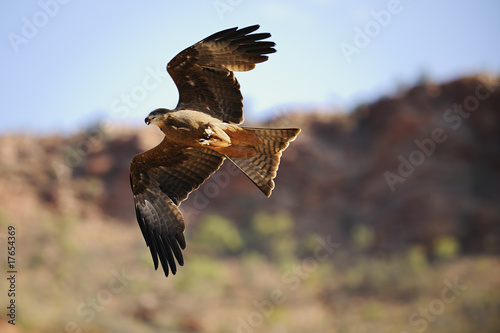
x: 67, y: 270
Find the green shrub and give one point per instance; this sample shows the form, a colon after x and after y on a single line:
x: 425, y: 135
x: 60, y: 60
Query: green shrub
x: 446, y: 247
x: 217, y: 236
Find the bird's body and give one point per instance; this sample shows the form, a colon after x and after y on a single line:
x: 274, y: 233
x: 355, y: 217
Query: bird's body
x: 197, y: 129
x: 200, y: 133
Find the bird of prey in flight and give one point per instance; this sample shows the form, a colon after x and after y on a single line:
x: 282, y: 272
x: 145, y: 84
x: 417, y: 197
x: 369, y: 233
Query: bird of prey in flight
x: 200, y: 133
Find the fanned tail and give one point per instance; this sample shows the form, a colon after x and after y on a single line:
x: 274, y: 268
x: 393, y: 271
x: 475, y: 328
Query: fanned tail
x: 262, y: 167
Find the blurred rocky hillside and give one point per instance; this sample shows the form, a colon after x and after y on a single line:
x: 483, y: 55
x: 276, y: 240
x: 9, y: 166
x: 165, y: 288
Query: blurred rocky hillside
x: 411, y: 169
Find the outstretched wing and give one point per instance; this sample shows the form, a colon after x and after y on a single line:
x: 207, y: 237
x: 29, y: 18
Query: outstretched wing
x: 203, y: 72
x: 161, y: 178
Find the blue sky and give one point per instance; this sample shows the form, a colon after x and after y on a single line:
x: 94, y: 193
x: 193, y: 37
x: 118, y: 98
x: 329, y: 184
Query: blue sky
x: 69, y: 63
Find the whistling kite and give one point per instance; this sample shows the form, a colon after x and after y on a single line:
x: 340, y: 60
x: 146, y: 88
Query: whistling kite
x: 199, y: 134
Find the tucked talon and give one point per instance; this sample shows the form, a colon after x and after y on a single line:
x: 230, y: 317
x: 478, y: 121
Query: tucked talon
x: 207, y: 133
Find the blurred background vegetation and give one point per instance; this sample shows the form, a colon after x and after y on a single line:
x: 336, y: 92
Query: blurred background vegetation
x: 333, y: 250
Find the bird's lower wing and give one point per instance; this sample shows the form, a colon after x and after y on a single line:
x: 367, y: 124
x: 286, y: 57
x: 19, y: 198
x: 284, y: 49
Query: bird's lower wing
x: 161, y: 178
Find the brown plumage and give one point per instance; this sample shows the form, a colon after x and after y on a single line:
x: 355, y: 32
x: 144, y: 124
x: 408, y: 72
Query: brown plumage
x: 199, y: 134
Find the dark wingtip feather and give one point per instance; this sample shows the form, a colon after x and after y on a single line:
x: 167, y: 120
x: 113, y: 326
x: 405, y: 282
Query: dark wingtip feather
x: 174, y: 245
x: 182, y: 241
x: 153, y: 249
x: 162, y: 254
x: 234, y: 33
x: 247, y: 30
x: 167, y: 251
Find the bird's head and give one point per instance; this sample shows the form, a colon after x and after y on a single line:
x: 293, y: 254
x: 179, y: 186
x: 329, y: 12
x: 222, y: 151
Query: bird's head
x: 155, y: 116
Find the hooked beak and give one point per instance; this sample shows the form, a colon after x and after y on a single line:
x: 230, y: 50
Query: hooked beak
x: 147, y: 120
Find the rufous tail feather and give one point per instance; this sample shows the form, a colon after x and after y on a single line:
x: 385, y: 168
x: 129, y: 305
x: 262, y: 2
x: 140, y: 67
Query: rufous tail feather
x: 262, y: 167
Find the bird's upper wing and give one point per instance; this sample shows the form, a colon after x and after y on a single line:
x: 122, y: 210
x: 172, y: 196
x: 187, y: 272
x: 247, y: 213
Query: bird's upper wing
x: 161, y: 178
x: 203, y: 72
